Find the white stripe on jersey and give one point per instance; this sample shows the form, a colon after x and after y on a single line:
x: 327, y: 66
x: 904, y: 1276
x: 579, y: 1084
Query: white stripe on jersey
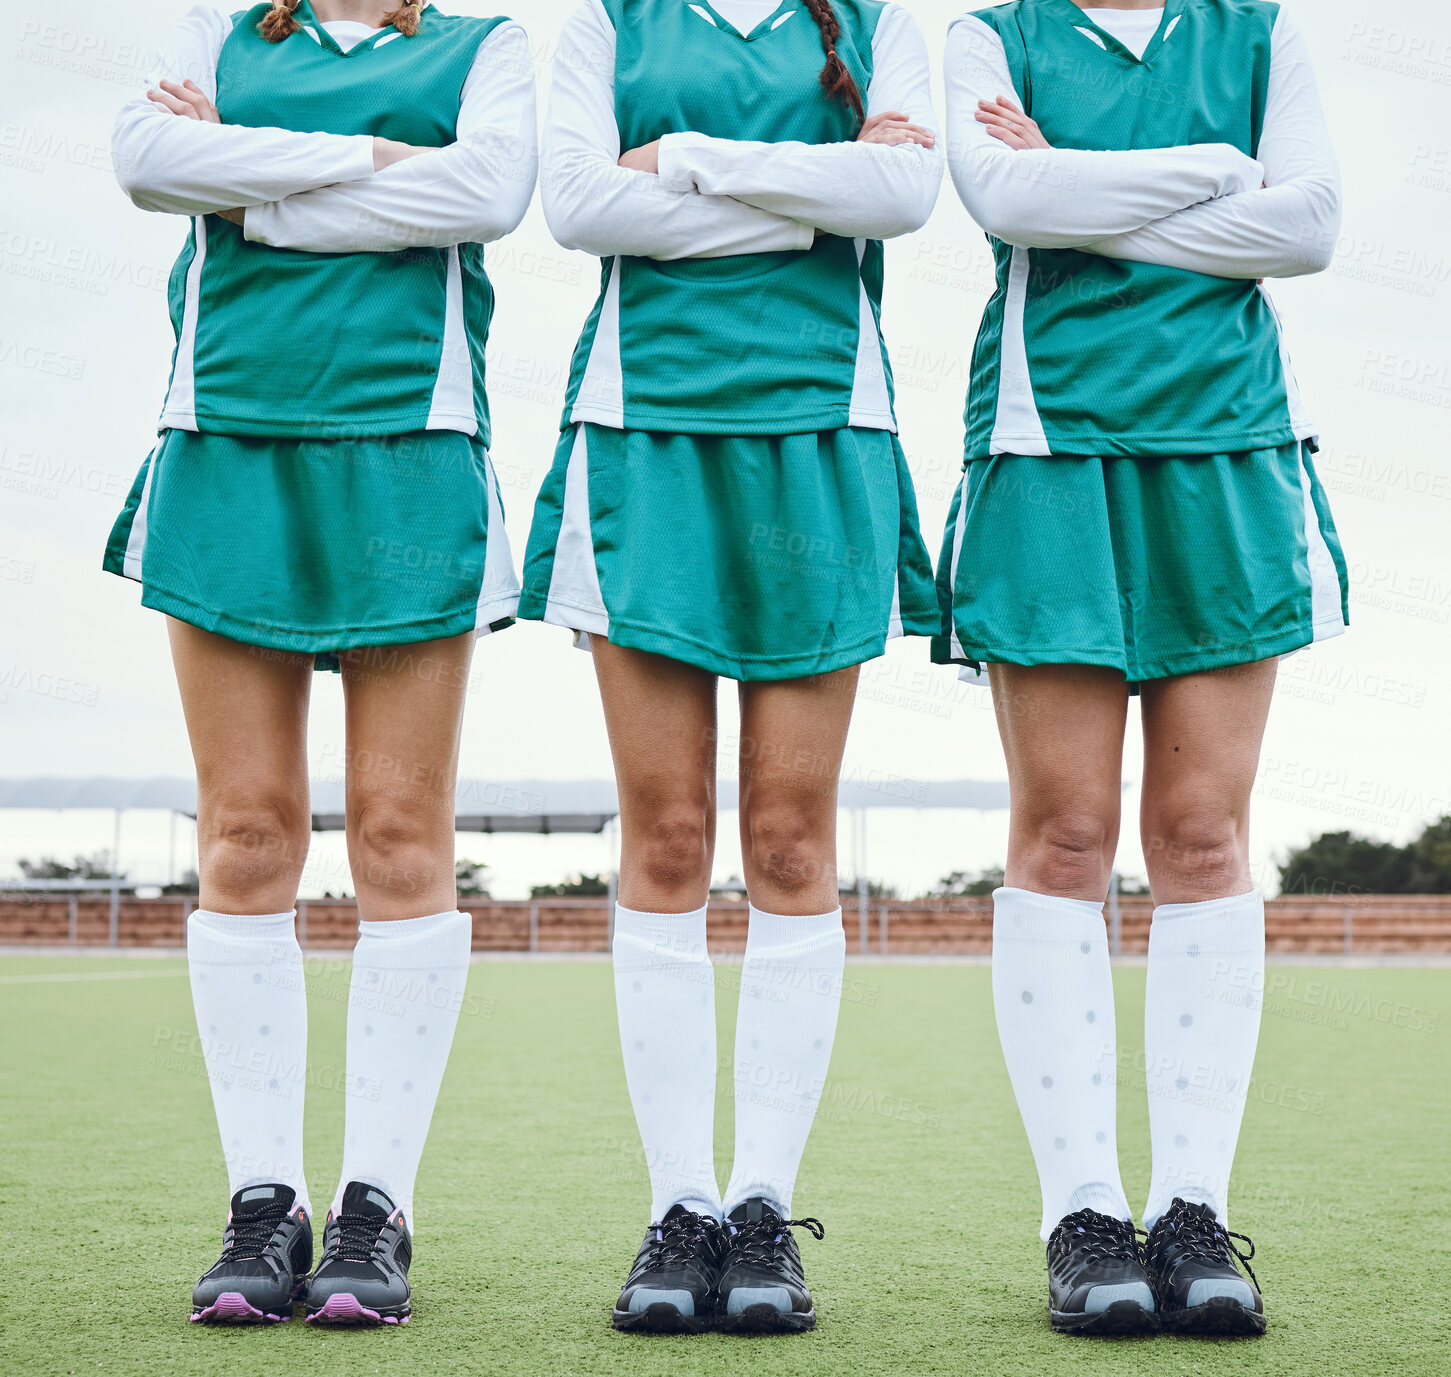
x: 1305, y: 428
x: 136, y: 540
x: 601, y: 396
x: 1017, y: 429
x: 499, y: 590
x: 870, y: 404
x: 1327, y: 613
x: 574, y: 598
x: 452, y: 407
x: 179, y: 412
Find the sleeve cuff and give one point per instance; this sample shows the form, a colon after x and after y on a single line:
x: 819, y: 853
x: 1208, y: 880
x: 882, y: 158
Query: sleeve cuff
x: 676, y: 173
x: 360, y: 158
x: 257, y: 221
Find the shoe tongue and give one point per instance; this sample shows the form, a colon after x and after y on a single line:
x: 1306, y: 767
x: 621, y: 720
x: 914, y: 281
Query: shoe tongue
x: 752, y: 1212
x: 675, y: 1212
x: 361, y: 1198
x: 251, y: 1201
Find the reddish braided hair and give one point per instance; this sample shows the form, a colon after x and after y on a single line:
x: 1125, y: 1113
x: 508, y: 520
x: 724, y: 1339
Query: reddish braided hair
x: 281, y: 20
x: 406, y: 18
x: 836, y: 81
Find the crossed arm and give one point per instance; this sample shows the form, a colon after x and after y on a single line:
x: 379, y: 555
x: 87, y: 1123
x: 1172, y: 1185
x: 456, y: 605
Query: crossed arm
x: 690, y: 196
x: 1204, y: 207
x: 331, y: 193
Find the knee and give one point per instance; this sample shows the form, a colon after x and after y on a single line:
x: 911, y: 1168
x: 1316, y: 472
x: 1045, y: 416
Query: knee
x: 673, y: 848
x: 788, y: 852
x: 398, y: 852
x: 250, y: 843
x: 1071, y: 852
x: 1195, y: 849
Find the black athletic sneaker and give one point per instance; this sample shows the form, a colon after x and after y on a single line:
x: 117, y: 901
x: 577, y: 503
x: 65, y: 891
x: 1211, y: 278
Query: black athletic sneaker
x: 762, y: 1288
x: 671, y: 1287
x: 362, y: 1277
x: 266, y: 1256
x: 1192, y: 1257
x: 1097, y: 1282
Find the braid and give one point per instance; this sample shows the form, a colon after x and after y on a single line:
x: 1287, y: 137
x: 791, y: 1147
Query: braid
x: 280, y: 21
x: 835, y: 79
x: 405, y: 18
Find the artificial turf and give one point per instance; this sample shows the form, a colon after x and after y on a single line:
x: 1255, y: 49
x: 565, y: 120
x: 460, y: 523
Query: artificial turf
x: 532, y: 1196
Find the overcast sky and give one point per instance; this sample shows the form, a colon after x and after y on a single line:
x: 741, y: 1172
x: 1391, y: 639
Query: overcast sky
x: 1359, y: 736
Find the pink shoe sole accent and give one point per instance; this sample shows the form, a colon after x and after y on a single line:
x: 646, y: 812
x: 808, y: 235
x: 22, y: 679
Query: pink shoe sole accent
x: 232, y: 1307
x: 344, y: 1308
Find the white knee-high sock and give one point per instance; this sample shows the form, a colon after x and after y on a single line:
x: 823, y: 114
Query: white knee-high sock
x: 251, y: 1012
x: 403, y: 1004
x: 790, y: 997
x: 665, y: 998
x: 1201, y: 1026
x: 1053, y: 997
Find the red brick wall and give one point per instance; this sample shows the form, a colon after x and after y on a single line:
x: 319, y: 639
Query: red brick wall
x: 1398, y: 923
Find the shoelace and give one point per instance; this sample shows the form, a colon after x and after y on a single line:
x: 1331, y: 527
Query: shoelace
x: 357, y: 1236
x: 252, y: 1234
x: 755, y: 1241
x: 1096, y: 1237
x: 680, y: 1240
x: 1199, y: 1235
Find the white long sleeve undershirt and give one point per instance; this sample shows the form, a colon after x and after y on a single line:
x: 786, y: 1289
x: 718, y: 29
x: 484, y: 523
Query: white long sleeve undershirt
x: 182, y: 166
x: 1286, y: 228
x: 779, y: 195
x: 1199, y: 207
x: 858, y: 190
x: 473, y: 191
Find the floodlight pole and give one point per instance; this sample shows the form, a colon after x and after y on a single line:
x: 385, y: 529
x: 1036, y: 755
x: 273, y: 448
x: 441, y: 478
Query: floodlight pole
x: 1115, y: 917
x: 116, y: 882
x: 859, y: 821
x: 614, y: 839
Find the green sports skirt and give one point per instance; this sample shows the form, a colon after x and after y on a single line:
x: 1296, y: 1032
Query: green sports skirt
x: 1153, y: 567
x: 319, y: 546
x: 752, y: 557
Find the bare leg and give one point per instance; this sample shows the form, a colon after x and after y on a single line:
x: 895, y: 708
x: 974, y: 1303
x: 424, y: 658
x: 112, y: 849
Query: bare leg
x: 662, y: 724
x: 404, y: 716
x: 793, y: 734
x: 661, y: 719
x: 1202, y: 735
x: 246, y: 716
x: 1062, y: 728
x: 404, y: 710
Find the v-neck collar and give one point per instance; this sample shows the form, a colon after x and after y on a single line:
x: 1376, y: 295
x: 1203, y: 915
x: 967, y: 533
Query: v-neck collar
x: 307, y: 17
x: 767, y: 24
x: 1173, y: 10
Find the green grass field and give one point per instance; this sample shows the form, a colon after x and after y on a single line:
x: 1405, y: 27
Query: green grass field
x: 532, y: 1196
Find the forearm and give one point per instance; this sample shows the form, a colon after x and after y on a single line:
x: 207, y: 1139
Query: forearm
x: 606, y: 210
x: 431, y: 201
x: 1069, y: 198
x: 1283, y: 231
x: 859, y: 190
x: 180, y: 166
